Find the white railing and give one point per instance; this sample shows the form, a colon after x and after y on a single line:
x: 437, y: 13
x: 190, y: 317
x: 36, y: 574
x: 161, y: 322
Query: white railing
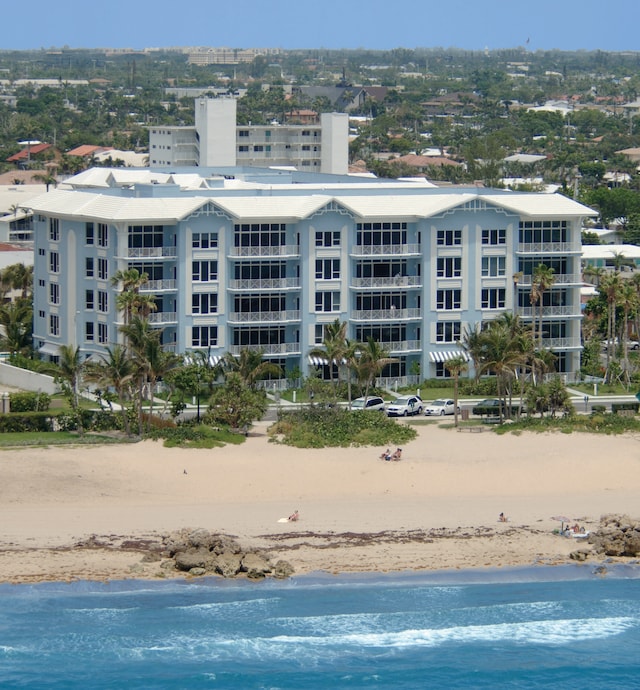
x: 163, y: 317
x: 151, y: 253
x: 402, y: 346
x: 264, y: 284
x: 385, y: 250
x: 263, y: 316
x: 534, y: 312
x: 558, y: 279
x: 277, y: 349
x: 159, y: 285
x: 562, y: 343
x: 547, y: 247
x: 252, y: 252
x: 386, y: 314
x: 402, y: 281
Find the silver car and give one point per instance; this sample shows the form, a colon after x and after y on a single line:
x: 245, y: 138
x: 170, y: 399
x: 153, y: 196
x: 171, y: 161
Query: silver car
x: 373, y: 402
x: 404, y: 406
x: 441, y: 407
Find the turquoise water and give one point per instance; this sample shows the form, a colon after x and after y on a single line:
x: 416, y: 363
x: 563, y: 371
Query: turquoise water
x: 536, y: 628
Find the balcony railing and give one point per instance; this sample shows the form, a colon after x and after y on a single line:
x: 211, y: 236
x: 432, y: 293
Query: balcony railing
x: 386, y: 314
x: 561, y: 343
x: 159, y: 286
x: 385, y: 250
x: 265, y: 284
x: 558, y: 279
x: 151, y: 253
x: 257, y: 252
x: 534, y: 312
x: 402, y: 346
x: 547, y: 248
x: 273, y: 349
x: 263, y: 316
x: 163, y: 317
x: 401, y: 281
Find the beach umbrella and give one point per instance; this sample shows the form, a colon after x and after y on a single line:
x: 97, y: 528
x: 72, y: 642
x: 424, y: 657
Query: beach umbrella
x: 561, y: 519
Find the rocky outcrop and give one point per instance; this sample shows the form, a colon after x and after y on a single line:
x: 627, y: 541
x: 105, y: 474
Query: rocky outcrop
x: 199, y: 552
x: 617, y: 535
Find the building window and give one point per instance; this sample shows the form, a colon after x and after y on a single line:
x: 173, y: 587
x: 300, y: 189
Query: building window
x: 328, y: 238
x: 441, y: 371
x: 42, y: 252
x: 243, y: 133
x: 103, y: 333
x: 204, y: 336
x: 103, y: 301
x: 448, y: 331
x: 306, y: 133
x: 145, y: 237
x: 103, y: 269
x: 327, y: 269
x: 103, y: 235
x: 448, y: 299
x: 204, y: 240
x: 88, y: 234
x: 54, y: 324
x: 543, y: 231
x: 493, y: 266
x: 258, y: 149
x: 204, y: 271
x: 494, y: 237
x: 449, y: 267
x: 54, y: 229
x: 41, y: 282
x: 493, y: 298
x: 41, y: 313
x: 88, y: 267
x: 327, y: 301
x: 318, y: 338
x: 54, y: 262
x: 306, y: 148
x: 89, y: 300
x: 88, y: 331
x: 204, y: 303
x: 54, y: 293
x: 243, y: 149
x: 449, y: 238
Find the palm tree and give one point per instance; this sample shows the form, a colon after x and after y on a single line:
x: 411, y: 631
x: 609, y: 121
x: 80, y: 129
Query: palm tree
x: 251, y: 366
x: 16, y: 319
x: 115, y: 370
x: 373, y: 359
x: 47, y: 179
x: 70, y: 368
x: 610, y: 287
x: 628, y: 300
x: 18, y: 277
x: 129, y: 300
x: 541, y: 281
x: 455, y: 366
x: 333, y: 349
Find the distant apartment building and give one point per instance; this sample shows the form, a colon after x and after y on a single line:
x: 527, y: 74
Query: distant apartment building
x: 216, y: 140
x: 265, y: 259
x: 227, y: 56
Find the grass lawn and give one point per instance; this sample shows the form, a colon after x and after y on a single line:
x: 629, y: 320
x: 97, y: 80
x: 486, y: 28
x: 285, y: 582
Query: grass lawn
x: 15, y: 439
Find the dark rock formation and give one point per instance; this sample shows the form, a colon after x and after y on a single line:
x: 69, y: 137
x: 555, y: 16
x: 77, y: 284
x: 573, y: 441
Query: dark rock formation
x: 199, y: 552
x: 617, y: 535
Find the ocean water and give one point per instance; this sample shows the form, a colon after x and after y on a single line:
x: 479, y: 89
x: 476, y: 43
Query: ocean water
x: 561, y: 627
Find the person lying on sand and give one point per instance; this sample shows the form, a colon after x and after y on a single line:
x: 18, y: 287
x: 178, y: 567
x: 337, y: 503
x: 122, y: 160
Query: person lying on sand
x: 503, y: 518
x: 386, y: 455
x: 397, y: 455
x: 294, y: 516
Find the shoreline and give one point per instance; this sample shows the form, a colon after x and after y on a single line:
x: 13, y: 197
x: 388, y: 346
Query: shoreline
x: 74, y: 514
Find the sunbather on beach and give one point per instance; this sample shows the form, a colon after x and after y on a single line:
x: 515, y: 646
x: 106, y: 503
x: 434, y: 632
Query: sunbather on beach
x: 294, y: 516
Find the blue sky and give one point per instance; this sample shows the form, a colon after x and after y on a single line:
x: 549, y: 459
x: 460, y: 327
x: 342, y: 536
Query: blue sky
x: 373, y: 24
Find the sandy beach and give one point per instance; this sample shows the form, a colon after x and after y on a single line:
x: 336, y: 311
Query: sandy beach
x: 92, y: 512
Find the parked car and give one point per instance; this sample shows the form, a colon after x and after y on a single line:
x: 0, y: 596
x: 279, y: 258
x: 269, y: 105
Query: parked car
x: 404, y: 406
x: 492, y: 407
x: 441, y: 407
x: 373, y: 402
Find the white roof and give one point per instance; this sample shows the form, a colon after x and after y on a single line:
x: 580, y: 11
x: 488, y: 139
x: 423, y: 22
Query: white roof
x: 12, y: 194
x: 108, y: 207
x: 525, y: 158
x: 608, y: 251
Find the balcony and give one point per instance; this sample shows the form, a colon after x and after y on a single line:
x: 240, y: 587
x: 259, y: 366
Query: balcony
x: 399, y: 282
x: 292, y: 250
x: 159, y: 286
x: 561, y: 343
x: 273, y: 349
x: 265, y: 284
x: 263, y: 316
x: 558, y: 279
x: 534, y: 312
x: 402, y: 346
x: 386, y: 250
x: 163, y: 317
x: 548, y: 248
x: 386, y: 314
x: 150, y: 253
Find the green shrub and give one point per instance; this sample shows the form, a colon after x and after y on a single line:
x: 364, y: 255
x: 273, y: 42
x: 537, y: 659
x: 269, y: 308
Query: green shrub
x: 24, y: 401
x: 27, y: 421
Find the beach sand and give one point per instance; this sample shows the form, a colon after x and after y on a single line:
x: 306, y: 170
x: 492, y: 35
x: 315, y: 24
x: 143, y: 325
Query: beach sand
x: 91, y: 512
